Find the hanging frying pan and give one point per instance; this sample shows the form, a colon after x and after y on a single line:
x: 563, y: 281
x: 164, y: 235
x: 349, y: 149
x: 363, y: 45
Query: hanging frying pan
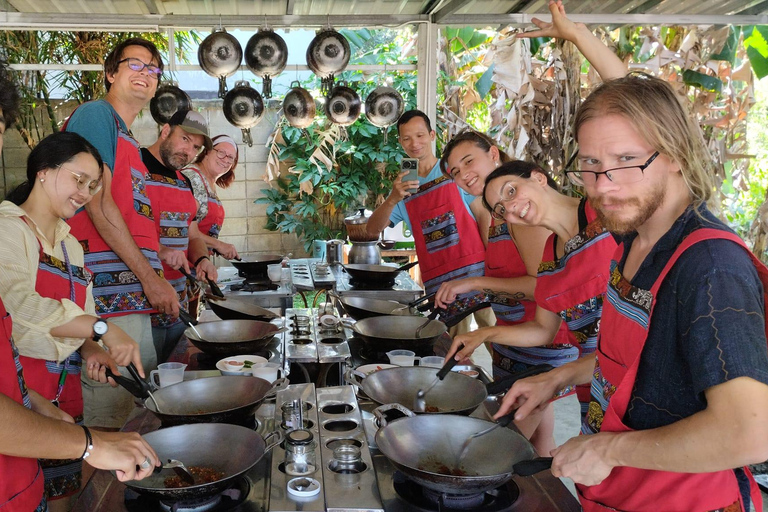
x: 266, y: 55
x: 167, y: 101
x: 299, y: 106
x: 220, y: 55
x: 342, y: 107
x: 327, y: 55
x: 384, y: 106
x: 244, y: 108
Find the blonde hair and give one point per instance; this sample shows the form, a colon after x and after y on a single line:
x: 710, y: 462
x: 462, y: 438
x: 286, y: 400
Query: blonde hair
x: 660, y: 117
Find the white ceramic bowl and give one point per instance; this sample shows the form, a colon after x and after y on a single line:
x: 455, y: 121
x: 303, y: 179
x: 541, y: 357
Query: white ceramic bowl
x: 226, y: 368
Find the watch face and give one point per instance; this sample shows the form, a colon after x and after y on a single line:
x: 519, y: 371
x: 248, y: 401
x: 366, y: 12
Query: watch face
x: 100, y: 327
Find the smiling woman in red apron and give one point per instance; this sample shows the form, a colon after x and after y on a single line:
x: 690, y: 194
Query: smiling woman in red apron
x: 681, y: 376
x: 46, y: 287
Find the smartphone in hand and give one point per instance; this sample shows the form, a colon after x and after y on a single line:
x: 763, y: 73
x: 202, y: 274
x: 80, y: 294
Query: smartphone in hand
x: 411, y: 165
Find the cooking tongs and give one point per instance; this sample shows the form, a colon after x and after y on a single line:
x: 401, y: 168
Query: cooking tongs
x: 137, y: 386
x: 215, y: 290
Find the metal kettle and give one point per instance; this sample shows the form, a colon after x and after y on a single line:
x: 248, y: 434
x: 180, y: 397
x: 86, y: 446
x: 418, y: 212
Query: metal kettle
x: 366, y: 253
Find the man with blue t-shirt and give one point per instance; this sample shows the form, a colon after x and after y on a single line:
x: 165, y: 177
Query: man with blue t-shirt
x: 117, y: 229
x: 447, y: 239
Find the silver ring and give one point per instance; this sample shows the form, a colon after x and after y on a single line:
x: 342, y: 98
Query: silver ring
x: 146, y: 463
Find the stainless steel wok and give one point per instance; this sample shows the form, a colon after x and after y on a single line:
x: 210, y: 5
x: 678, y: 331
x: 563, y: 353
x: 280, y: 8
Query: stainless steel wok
x: 230, y: 449
x: 427, y: 448
x: 456, y: 394
x: 384, y: 333
x: 232, y: 337
x: 236, y: 308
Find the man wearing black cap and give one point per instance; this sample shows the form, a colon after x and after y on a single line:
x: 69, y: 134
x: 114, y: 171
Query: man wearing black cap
x: 175, y: 209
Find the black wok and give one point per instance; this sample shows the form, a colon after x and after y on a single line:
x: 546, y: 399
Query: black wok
x: 426, y: 447
x: 361, y: 307
x: 376, y: 273
x: 456, y: 394
x: 232, y: 337
x: 224, y: 399
x: 385, y: 333
x: 257, y: 265
x: 230, y: 449
x: 235, y: 308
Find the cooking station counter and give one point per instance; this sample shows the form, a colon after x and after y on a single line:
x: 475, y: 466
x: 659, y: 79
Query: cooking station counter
x: 538, y: 493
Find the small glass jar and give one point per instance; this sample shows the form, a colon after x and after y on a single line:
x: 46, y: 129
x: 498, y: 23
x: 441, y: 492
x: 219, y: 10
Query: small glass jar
x: 292, y: 416
x: 300, y: 458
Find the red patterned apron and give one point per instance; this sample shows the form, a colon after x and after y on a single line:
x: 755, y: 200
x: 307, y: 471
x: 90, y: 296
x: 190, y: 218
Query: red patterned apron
x: 623, y: 333
x: 21, y: 479
x: 59, y: 280
x: 175, y: 208
x: 502, y: 259
x: 214, y: 220
x: 116, y: 289
x: 574, y: 286
x: 447, y: 240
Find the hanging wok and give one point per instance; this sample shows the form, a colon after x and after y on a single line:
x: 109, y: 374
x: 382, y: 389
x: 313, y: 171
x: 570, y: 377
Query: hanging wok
x: 257, y: 265
x: 455, y: 394
x: 426, y: 448
x: 299, y: 106
x: 327, y: 55
x: 375, y: 273
x: 168, y: 100
x: 342, y: 107
x: 220, y: 55
x: 243, y: 107
x: 266, y: 55
x: 232, y: 337
x: 230, y: 449
x: 384, y: 106
x: 236, y: 308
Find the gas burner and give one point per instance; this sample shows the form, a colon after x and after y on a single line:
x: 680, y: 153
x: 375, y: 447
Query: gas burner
x: 422, y: 499
x: 363, y: 285
x: 261, y: 285
x: 224, y: 501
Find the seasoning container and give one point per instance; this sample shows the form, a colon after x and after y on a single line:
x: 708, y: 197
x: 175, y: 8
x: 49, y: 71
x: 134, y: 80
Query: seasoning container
x: 300, y: 447
x: 347, y: 459
x: 293, y: 414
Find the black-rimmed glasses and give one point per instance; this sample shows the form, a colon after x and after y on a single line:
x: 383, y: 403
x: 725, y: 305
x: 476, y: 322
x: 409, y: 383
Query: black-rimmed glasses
x: 628, y: 174
x: 229, y: 159
x: 136, y: 65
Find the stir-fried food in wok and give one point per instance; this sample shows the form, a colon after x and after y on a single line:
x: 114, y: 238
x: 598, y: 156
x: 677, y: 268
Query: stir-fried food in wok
x: 201, y: 474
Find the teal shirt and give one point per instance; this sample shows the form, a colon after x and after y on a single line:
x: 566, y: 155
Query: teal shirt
x: 401, y: 214
x: 95, y: 121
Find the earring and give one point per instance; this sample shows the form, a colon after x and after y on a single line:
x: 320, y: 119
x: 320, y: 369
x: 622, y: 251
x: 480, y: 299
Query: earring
x: 42, y: 180
x: 498, y: 164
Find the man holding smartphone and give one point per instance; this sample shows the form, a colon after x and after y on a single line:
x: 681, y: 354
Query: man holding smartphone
x: 448, y: 242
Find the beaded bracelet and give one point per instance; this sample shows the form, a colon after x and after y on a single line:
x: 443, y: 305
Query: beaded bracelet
x: 88, y: 443
x: 201, y: 258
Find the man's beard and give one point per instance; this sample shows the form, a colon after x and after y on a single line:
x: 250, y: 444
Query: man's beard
x: 647, y: 206
x: 172, y: 160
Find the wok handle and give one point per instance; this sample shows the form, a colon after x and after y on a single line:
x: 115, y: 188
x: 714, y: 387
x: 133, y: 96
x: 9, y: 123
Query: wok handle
x: 186, y: 317
x: 129, y: 384
x: 380, y: 410
x: 423, y: 298
x: 407, y: 266
x: 279, y: 385
x: 446, y: 368
x: 503, y: 385
x: 533, y: 466
x: 351, y: 376
x: 237, y: 258
x: 271, y: 443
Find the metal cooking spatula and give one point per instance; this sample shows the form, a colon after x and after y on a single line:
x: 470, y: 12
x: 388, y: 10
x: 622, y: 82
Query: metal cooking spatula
x: 501, y: 422
x: 179, y: 468
x: 419, y: 404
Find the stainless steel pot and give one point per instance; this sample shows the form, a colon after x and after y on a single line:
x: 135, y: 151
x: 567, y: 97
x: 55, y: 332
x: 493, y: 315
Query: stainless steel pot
x: 266, y: 55
x: 299, y: 106
x: 220, y: 55
x: 243, y: 107
x: 167, y: 101
x: 427, y: 448
x: 231, y: 449
x: 365, y: 253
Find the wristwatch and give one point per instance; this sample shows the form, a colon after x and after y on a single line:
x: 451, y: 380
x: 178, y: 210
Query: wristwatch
x: 100, y: 328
